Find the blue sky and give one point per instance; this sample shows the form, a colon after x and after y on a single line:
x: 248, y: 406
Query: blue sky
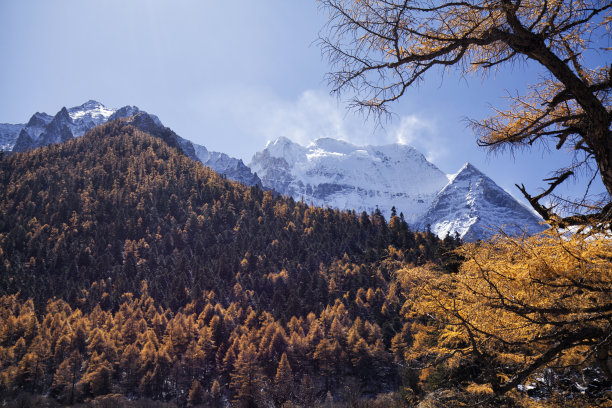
x: 233, y: 75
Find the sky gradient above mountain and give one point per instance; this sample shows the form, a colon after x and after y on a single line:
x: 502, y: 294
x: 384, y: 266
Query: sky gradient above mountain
x: 232, y: 76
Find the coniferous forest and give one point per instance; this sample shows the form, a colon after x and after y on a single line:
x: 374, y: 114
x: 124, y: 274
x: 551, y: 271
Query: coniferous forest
x: 127, y: 268
x: 134, y: 276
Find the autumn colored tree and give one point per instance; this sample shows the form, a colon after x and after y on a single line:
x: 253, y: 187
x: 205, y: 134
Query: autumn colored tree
x: 379, y: 49
x: 97, y: 377
x: 67, y: 376
x: 196, y: 394
x: 517, y: 305
x: 33, y: 365
x: 215, y: 394
x: 129, y: 364
x: 330, y: 357
x: 247, y: 378
x: 283, y: 381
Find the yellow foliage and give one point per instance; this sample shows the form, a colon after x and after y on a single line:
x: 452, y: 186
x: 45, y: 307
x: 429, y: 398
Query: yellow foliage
x: 479, y: 389
x: 519, y: 303
x: 451, y: 338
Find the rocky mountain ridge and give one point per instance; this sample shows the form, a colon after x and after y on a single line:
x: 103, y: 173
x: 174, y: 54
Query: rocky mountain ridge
x: 43, y: 129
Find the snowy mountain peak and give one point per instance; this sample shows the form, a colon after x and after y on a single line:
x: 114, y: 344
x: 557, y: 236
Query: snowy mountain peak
x: 90, y: 111
x: 279, y: 141
x: 467, y: 170
x: 88, y: 106
x: 342, y: 175
x: 283, y: 148
x: 472, y: 205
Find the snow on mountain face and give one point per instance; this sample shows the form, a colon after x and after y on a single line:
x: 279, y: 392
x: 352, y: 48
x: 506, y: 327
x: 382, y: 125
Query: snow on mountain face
x: 472, y: 205
x: 341, y: 175
x: 88, y: 115
x: 43, y: 129
x: 9, y: 134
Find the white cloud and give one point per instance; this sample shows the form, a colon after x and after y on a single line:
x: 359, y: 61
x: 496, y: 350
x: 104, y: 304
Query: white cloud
x: 421, y: 134
x: 255, y: 116
x: 313, y: 115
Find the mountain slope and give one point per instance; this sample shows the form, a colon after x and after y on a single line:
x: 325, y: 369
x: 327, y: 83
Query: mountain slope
x: 116, y: 243
x: 472, y: 205
x: 43, y: 130
x: 80, y: 208
x: 30, y: 133
x: 341, y: 175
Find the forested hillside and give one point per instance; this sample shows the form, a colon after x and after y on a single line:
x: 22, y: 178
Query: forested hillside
x: 128, y: 268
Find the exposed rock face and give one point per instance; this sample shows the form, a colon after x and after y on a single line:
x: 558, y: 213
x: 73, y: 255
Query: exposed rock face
x: 232, y: 168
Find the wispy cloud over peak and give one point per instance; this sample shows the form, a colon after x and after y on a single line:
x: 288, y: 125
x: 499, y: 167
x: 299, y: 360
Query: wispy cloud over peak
x: 265, y: 116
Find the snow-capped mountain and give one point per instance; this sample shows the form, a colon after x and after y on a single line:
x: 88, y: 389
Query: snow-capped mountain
x: 472, y: 205
x: 43, y: 129
x: 88, y: 115
x: 362, y: 178
x: 342, y: 175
